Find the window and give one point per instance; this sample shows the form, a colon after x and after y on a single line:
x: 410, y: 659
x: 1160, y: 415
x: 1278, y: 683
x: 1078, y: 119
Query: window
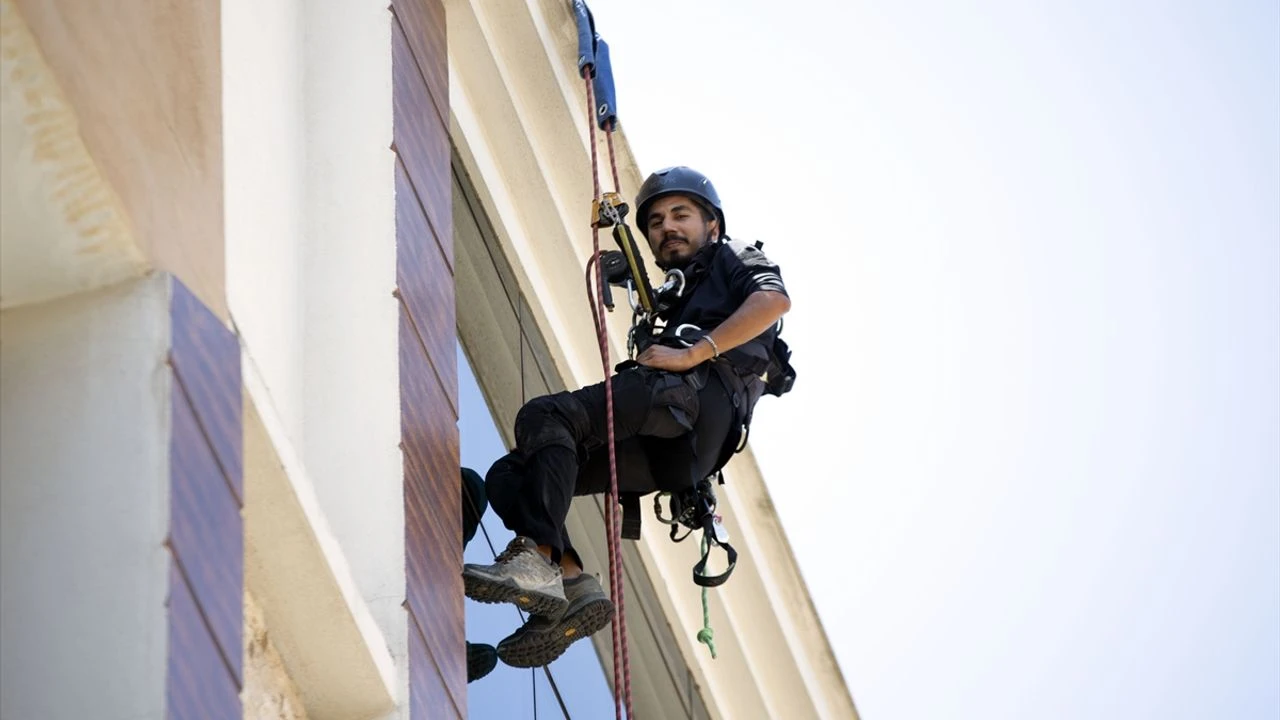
x: 509, y: 693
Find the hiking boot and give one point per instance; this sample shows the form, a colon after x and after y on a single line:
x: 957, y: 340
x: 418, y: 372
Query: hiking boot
x: 481, y: 660
x: 543, y: 638
x: 519, y: 575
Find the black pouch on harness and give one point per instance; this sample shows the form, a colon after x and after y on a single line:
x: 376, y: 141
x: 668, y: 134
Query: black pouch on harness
x: 674, y: 397
x: 782, y: 377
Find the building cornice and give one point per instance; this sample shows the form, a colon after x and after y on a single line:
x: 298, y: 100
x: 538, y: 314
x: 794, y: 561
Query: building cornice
x: 63, y: 228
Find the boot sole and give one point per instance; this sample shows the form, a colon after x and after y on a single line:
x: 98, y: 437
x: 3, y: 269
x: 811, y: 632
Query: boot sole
x: 489, y: 591
x: 481, y: 660
x: 549, y: 646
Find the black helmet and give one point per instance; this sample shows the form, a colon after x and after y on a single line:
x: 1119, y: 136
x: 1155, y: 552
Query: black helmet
x: 677, y: 180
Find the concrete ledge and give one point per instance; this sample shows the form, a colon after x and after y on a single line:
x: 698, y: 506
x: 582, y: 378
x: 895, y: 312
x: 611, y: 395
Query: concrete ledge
x: 326, y: 635
x: 84, y: 504
x: 63, y: 229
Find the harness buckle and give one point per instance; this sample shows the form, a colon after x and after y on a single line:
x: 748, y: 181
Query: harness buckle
x: 682, y: 329
x: 718, y: 529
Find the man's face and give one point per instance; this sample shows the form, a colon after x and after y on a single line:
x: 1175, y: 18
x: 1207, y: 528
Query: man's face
x: 676, y: 229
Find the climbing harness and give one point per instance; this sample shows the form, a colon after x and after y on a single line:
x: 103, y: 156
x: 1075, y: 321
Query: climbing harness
x: 625, y: 268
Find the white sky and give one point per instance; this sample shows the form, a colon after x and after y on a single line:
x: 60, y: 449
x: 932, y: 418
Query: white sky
x: 1032, y: 465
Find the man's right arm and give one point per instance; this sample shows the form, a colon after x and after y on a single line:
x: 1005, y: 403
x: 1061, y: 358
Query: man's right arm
x: 761, y: 311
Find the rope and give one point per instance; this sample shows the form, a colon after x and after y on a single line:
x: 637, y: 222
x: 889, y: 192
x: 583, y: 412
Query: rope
x: 524, y: 396
x: 706, y: 635
x: 608, y: 513
x: 626, y: 657
x: 613, y: 525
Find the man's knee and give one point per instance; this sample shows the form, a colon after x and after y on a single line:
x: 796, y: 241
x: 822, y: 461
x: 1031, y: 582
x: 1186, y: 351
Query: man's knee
x: 551, y: 420
x: 503, y: 483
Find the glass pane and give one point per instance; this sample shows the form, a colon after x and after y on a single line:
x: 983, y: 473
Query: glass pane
x: 508, y: 692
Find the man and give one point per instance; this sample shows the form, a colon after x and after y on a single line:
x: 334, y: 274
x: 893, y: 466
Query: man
x: 679, y: 411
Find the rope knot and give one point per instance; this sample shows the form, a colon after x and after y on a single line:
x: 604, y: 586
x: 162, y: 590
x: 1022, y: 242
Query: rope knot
x: 707, y: 637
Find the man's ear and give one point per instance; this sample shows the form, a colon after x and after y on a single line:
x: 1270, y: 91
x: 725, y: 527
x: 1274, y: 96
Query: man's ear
x: 713, y: 229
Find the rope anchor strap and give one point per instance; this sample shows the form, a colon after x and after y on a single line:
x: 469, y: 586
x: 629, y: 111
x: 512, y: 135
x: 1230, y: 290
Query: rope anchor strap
x: 711, y: 539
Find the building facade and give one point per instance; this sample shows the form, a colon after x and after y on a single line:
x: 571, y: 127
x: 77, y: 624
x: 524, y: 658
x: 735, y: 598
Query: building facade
x: 259, y: 261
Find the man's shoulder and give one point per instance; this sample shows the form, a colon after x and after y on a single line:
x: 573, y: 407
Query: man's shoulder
x: 748, y: 252
x: 739, y: 247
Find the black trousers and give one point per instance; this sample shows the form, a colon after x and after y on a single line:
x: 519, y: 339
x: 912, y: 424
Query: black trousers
x: 669, y: 429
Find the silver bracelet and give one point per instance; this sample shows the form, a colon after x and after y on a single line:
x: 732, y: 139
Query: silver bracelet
x: 715, y: 351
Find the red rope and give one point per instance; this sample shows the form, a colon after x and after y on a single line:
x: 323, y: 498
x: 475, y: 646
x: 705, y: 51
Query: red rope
x: 621, y: 671
x: 626, y: 657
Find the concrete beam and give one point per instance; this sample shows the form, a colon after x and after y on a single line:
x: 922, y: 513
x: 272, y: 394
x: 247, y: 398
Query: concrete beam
x: 62, y: 227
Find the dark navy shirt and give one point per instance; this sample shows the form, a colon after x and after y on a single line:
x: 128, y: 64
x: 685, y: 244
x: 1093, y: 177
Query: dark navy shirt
x: 718, y: 279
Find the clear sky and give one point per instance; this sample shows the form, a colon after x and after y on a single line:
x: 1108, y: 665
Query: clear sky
x: 1031, y: 468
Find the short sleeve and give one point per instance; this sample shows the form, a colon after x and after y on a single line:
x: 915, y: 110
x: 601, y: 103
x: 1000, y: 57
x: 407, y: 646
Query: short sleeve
x: 751, y: 271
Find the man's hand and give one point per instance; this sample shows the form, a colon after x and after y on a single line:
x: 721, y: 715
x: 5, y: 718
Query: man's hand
x: 758, y: 313
x: 671, y: 359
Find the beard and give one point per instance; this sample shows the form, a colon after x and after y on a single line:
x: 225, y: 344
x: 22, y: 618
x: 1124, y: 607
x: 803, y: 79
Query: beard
x: 686, y: 249
x: 673, y: 260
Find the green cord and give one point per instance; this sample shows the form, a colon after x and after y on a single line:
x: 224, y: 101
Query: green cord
x: 706, y: 635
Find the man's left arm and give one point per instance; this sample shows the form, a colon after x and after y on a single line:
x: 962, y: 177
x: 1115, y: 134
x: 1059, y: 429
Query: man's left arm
x: 760, y: 311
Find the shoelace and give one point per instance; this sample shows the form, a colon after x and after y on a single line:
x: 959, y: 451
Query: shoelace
x: 514, y: 548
